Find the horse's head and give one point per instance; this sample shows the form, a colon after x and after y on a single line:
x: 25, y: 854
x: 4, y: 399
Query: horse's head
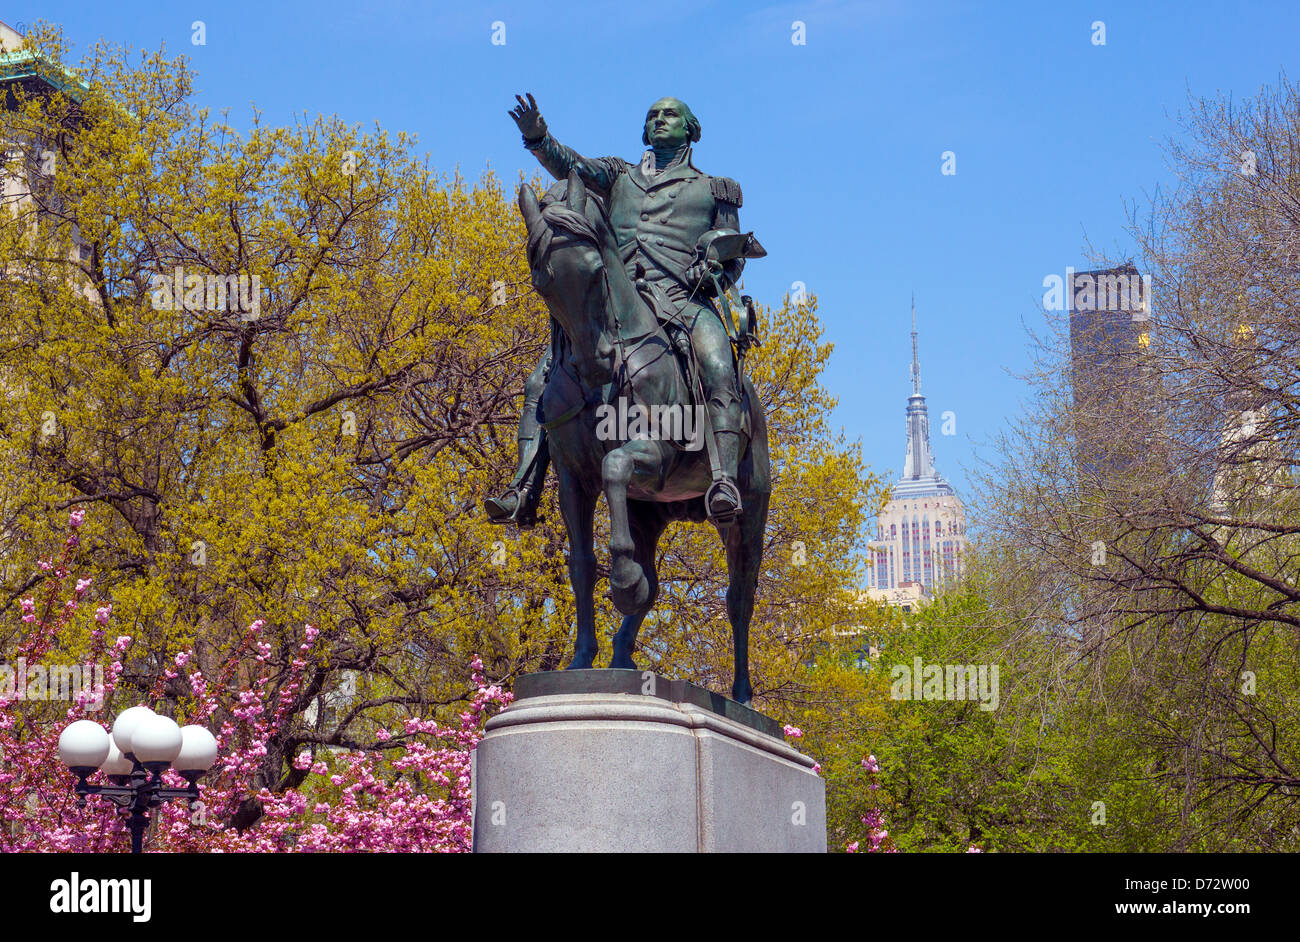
x: 565, y: 242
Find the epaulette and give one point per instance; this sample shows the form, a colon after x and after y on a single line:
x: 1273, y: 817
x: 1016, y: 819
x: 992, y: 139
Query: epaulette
x: 726, y: 189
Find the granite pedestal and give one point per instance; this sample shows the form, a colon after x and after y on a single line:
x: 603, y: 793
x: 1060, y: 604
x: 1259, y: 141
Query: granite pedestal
x: 626, y: 761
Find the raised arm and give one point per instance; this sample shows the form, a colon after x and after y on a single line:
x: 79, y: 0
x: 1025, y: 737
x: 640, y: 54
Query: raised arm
x: 599, y: 172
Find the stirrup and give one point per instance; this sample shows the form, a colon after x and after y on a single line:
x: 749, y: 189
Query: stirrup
x: 719, y: 488
x: 497, y: 513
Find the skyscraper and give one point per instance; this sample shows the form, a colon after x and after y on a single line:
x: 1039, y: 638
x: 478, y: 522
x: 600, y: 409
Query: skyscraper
x: 921, y: 533
x: 1112, y: 382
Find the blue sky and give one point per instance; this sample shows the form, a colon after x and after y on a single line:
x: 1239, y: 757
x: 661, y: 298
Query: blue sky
x: 837, y: 143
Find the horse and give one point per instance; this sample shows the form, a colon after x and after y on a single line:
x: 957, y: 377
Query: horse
x: 612, y: 348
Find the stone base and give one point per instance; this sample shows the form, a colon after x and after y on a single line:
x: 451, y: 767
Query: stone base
x: 569, y: 771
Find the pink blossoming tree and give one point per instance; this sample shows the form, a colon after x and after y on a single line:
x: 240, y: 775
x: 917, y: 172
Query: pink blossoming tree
x: 409, y: 791
x: 878, y: 839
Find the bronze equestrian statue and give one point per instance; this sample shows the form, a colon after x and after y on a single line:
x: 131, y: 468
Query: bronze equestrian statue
x: 635, y: 263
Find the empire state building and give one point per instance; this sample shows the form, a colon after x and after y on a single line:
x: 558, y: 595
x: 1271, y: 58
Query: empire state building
x: 921, y: 533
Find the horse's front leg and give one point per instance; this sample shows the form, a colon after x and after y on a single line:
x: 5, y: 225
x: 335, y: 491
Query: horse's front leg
x: 578, y: 507
x: 629, y: 585
x: 647, y: 521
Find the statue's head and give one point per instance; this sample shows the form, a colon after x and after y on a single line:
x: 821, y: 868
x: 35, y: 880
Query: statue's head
x: 670, y: 123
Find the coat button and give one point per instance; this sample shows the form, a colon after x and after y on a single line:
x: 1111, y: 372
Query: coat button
x: 645, y: 215
x: 672, y: 196
x: 659, y: 241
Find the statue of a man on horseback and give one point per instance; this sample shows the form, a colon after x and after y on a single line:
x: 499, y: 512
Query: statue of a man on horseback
x: 635, y: 263
x: 665, y: 214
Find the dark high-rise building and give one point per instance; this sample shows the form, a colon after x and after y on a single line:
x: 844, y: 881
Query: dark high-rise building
x: 1113, y: 385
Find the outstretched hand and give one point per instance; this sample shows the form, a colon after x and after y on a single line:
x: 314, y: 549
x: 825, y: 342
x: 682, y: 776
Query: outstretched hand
x: 529, y: 120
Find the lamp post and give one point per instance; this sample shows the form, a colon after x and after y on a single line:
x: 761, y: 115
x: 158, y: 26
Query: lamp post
x: 141, y: 748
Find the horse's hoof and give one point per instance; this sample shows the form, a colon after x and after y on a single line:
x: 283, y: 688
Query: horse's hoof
x: 632, y: 600
x: 628, y: 587
x: 622, y: 662
x: 581, y: 663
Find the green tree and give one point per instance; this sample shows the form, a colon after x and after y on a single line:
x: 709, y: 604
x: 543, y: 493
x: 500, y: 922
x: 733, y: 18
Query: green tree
x: 301, y: 428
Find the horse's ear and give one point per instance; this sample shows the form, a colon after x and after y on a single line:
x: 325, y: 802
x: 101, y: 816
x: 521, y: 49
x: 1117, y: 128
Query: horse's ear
x: 577, y: 198
x: 528, y: 207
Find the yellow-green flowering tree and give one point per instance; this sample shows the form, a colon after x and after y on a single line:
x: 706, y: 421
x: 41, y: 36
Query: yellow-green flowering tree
x: 280, y: 368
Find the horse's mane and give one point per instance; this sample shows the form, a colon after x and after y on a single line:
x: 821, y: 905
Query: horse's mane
x: 559, y: 216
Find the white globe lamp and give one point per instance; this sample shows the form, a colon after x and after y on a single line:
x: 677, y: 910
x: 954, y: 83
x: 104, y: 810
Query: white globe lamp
x: 83, y: 746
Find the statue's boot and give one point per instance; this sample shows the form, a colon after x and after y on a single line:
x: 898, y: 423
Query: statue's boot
x: 518, y: 505
x: 722, y: 502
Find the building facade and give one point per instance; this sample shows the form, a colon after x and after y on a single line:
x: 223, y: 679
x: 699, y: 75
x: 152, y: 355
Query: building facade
x: 921, y: 533
x: 1114, y: 389
x: 27, y: 162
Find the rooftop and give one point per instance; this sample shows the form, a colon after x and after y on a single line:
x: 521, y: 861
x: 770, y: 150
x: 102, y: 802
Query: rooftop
x: 23, y: 65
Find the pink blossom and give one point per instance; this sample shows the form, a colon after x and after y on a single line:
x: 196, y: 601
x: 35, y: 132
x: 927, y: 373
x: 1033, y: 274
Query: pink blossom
x: 793, y: 732
x: 411, y: 798
x: 874, y: 819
